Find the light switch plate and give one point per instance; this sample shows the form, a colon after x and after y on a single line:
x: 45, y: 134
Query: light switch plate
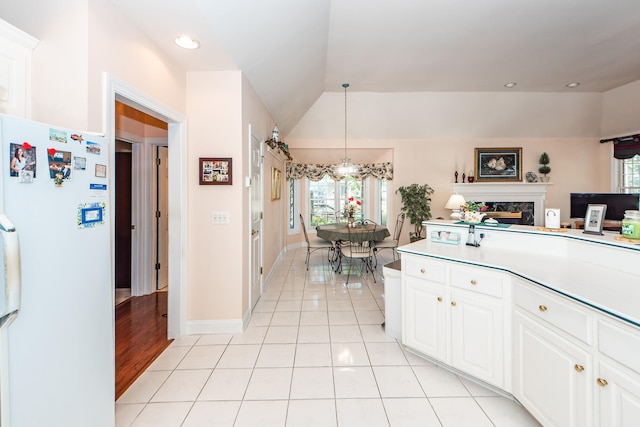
x: 219, y: 217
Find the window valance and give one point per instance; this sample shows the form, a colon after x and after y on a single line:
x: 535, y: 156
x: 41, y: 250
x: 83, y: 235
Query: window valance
x: 315, y: 172
x: 625, y: 147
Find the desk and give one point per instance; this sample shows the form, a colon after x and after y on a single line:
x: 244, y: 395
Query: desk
x: 340, y: 233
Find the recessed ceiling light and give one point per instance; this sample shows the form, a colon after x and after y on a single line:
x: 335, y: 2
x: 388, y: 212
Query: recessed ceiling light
x: 510, y: 85
x: 187, y: 42
x: 574, y: 84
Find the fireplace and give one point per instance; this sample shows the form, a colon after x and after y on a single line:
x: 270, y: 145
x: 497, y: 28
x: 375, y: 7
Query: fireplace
x: 528, y: 198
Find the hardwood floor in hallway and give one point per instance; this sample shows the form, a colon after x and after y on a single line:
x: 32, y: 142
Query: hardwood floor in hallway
x: 141, y: 336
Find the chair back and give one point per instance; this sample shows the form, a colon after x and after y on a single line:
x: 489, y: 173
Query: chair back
x: 304, y: 229
x: 399, y: 224
x: 361, y: 238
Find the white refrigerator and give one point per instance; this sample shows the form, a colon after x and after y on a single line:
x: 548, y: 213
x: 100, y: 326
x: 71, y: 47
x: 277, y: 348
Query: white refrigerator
x: 56, y: 297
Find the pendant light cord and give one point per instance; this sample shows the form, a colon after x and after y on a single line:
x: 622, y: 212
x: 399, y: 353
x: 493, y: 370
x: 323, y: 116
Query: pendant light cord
x: 345, y: 86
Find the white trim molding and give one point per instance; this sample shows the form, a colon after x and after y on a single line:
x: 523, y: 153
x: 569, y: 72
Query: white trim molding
x: 507, y: 192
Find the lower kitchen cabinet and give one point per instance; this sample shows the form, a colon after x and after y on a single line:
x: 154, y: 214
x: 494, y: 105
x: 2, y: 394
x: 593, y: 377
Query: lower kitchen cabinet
x: 477, y: 336
x: 424, y: 325
x: 618, y: 395
x: 552, y: 376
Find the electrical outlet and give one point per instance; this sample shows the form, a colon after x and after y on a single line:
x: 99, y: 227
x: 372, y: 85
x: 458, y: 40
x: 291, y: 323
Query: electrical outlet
x: 219, y: 217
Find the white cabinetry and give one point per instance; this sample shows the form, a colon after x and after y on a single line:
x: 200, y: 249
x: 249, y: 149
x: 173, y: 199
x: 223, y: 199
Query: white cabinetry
x: 458, y: 321
x: 552, y: 376
x: 618, y: 375
x: 424, y: 306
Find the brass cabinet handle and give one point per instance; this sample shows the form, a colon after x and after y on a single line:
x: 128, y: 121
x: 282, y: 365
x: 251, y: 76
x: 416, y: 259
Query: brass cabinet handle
x: 602, y: 382
x: 473, y: 282
x: 453, y: 303
x: 439, y: 299
x: 542, y: 308
x: 422, y: 270
x: 579, y: 368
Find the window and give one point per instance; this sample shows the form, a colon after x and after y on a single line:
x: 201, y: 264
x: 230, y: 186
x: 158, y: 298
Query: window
x: 327, y: 197
x: 383, y: 196
x: 294, y: 206
x: 630, y: 175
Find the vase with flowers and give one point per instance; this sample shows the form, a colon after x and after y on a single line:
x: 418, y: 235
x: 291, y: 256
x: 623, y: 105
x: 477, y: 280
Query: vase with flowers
x: 473, y: 212
x: 350, y: 208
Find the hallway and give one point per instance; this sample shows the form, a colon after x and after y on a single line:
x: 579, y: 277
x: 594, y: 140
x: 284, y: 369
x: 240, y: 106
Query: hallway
x: 141, y: 335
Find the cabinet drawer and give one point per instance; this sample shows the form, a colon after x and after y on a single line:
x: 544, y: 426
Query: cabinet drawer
x: 562, y: 314
x: 425, y: 268
x: 477, y: 280
x: 620, y: 342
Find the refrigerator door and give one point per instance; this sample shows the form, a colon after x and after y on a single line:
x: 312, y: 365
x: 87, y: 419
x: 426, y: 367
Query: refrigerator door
x: 10, y: 280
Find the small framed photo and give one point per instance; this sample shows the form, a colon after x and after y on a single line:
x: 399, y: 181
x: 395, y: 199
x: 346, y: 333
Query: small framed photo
x: 594, y: 219
x: 498, y: 164
x: 101, y: 171
x: 276, y: 183
x: 215, y: 171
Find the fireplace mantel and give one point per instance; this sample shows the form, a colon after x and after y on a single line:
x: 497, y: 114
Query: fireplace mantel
x: 507, y: 192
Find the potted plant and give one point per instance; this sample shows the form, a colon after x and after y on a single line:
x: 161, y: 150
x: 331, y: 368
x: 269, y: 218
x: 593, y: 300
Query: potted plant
x: 544, y: 169
x: 416, y: 203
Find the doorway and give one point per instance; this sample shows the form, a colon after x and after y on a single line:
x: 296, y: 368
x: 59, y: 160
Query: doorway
x: 122, y: 221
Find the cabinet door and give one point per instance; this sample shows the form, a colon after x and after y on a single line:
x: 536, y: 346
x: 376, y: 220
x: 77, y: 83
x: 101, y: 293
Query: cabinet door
x: 477, y: 344
x: 618, y: 396
x: 424, y: 318
x: 552, y: 376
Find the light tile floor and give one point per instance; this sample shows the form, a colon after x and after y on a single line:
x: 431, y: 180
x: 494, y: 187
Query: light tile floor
x: 314, y: 354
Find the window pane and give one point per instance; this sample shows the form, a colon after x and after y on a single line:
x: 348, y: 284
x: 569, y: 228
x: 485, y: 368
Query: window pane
x: 322, y: 201
x: 350, y: 187
x: 631, y: 175
x: 292, y: 211
x: 384, y: 207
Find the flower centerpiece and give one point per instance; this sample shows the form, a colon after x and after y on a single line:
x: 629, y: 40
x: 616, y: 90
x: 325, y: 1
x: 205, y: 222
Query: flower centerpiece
x: 350, y: 207
x: 472, y: 212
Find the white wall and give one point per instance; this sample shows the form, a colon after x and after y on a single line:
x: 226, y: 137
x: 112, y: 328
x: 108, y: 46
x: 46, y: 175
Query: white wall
x: 620, y: 110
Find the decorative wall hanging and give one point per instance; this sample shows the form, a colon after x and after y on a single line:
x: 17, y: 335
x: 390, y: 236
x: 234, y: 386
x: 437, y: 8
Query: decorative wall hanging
x: 276, y: 183
x: 215, y: 171
x: 498, y: 164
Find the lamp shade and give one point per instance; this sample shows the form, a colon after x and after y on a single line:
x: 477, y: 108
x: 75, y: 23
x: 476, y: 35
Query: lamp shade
x: 455, y: 201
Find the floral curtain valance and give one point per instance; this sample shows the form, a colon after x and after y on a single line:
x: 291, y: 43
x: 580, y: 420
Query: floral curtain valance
x: 315, y: 172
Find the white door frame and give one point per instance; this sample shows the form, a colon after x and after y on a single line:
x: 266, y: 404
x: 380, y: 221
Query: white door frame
x: 254, y: 134
x: 115, y: 89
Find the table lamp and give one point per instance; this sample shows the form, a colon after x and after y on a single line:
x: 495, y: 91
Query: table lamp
x: 455, y: 202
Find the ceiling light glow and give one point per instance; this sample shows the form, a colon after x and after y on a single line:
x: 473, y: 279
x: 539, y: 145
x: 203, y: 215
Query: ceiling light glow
x: 573, y: 85
x: 187, y: 42
x: 510, y: 85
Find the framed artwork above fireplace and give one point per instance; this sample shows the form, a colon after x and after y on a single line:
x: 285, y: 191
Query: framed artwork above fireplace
x: 498, y: 164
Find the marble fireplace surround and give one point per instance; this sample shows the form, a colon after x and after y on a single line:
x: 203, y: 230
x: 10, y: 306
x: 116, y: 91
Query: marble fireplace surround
x: 507, y: 192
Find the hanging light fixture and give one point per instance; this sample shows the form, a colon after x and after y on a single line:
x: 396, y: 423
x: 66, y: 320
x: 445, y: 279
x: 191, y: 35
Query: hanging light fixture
x: 345, y: 168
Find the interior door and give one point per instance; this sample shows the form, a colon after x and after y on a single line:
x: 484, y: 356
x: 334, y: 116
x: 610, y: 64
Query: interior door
x: 256, y: 218
x: 123, y: 220
x: 162, y: 217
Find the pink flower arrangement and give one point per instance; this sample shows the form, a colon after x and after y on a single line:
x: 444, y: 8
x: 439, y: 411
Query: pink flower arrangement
x: 351, y: 206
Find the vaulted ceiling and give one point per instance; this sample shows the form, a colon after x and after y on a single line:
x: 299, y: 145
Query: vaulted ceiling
x: 294, y: 50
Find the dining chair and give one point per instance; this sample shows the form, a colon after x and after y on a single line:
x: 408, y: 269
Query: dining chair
x: 315, y: 244
x: 390, y: 242
x: 360, y: 247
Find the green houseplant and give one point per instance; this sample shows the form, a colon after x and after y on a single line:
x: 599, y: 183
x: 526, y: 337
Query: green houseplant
x: 544, y: 169
x: 416, y: 203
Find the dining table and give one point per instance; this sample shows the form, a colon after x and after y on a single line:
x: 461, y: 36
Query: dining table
x: 339, y: 233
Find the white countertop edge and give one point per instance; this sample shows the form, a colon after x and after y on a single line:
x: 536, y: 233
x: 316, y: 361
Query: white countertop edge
x: 598, y: 306
x: 607, y: 238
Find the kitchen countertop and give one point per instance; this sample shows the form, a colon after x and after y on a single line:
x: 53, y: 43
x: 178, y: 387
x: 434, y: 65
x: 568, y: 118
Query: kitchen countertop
x: 613, y: 289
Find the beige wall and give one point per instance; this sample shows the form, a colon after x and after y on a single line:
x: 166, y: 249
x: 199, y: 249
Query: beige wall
x: 433, y: 134
x: 620, y: 111
x: 80, y: 40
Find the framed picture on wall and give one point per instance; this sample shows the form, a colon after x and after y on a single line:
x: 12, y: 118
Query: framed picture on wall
x: 498, y: 164
x: 276, y: 183
x: 215, y: 171
x: 594, y: 219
